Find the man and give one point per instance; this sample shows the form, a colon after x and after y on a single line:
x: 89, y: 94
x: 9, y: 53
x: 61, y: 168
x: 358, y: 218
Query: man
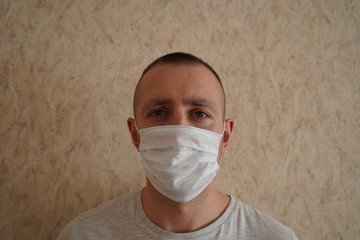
x: 180, y: 130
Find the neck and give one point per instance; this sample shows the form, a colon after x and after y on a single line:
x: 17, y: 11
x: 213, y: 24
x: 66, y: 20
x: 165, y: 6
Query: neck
x: 183, y: 217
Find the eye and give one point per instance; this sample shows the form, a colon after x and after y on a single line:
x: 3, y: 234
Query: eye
x: 156, y: 113
x: 200, y: 114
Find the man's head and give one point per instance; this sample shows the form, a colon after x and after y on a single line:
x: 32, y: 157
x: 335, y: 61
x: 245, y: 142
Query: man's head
x: 179, y: 58
x: 180, y: 89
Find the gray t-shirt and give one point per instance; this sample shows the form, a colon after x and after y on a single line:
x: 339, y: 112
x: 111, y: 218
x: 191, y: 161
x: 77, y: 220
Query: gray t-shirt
x: 124, y: 218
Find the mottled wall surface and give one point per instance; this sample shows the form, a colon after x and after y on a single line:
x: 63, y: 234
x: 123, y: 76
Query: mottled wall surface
x: 290, y: 70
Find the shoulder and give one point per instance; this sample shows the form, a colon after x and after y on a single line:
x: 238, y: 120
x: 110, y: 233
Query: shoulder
x: 102, y: 219
x: 259, y: 225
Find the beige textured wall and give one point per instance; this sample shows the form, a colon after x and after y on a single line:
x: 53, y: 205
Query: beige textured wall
x: 290, y: 69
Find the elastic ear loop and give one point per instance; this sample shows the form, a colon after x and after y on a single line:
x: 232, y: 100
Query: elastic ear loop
x: 223, y: 138
x: 137, y: 129
x: 224, y: 128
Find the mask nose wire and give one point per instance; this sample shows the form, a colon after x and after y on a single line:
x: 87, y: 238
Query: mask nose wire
x: 137, y: 129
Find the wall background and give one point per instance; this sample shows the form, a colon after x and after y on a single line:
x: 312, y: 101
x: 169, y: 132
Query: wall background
x: 290, y: 69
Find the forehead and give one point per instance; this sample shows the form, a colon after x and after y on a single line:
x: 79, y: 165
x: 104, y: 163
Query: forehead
x: 178, y: 82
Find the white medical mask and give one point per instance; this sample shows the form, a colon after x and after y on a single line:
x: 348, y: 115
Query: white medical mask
x: 180, y: 161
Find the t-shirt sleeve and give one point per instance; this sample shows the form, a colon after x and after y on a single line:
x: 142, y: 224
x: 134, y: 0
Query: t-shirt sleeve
x: 293, y: 236
x: 68, y: 234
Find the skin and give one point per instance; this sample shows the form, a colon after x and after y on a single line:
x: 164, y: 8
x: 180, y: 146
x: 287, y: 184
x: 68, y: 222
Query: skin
x: 181, y: 94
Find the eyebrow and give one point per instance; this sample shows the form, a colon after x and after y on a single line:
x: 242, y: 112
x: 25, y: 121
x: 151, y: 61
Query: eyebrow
x: 198, y: 102
x: 156, y: 102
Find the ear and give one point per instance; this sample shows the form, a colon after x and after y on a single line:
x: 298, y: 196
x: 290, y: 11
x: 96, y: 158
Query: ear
x: 133, y: 133
x: 229, y: 126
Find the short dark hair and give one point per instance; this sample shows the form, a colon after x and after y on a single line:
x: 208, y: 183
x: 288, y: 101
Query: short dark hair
x: 179, y: 58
